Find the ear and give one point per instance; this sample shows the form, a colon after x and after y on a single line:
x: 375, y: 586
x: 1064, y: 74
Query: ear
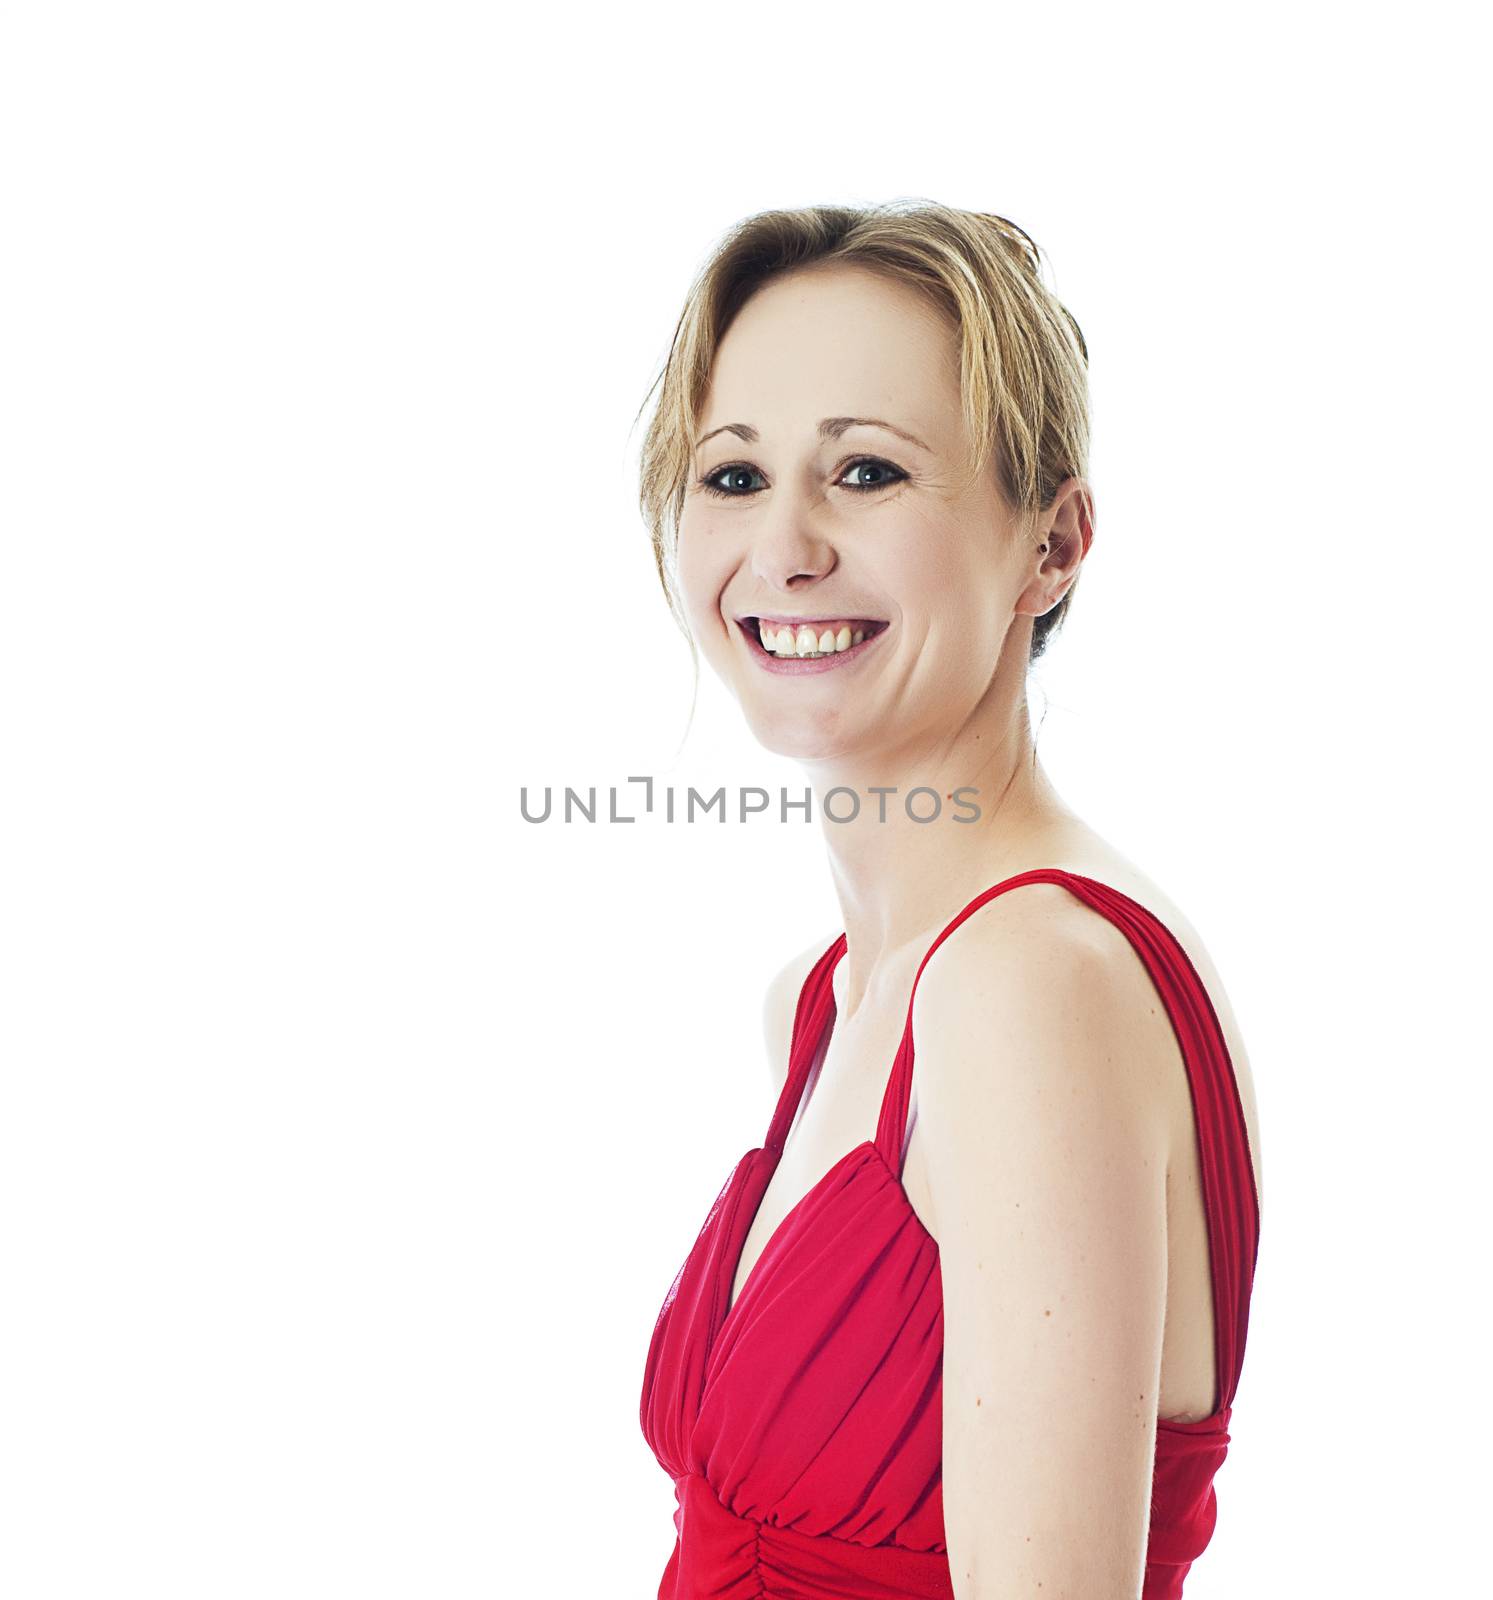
x: 1061, y: 539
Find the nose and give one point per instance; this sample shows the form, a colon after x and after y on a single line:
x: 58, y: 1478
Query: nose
x: 788, y: 552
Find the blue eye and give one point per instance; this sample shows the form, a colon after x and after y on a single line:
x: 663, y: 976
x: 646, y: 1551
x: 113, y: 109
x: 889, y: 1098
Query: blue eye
x: 711, y: 484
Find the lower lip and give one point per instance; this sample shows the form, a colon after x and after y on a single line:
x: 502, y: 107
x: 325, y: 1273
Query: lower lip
x: 795, y: 666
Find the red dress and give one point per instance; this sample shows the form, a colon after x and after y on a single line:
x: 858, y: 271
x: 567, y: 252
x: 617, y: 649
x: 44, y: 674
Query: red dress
x: 803, y: 1427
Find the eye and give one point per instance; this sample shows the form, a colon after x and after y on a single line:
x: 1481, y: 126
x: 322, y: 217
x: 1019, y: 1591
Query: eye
x: 711, y: 483
x: 877, y: 465
x: 737, y: 469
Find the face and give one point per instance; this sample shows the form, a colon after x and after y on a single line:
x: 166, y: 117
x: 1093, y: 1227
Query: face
x: 829, y: 497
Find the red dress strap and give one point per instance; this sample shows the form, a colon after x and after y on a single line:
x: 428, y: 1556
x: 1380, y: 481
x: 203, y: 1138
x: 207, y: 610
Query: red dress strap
x: 811, y: 1023
x: 1228, y: 1181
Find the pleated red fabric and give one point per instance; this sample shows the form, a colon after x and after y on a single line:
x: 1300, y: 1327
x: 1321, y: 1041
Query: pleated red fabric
x: 802, y: 1426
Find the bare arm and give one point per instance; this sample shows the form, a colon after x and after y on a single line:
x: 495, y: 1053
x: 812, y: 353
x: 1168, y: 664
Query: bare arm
x: 1046, y: 1137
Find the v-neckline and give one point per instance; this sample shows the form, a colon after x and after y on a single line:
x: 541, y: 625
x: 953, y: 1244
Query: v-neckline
x: 737, y: 1233
x: 733, y: 1262
x: 756, y: 1156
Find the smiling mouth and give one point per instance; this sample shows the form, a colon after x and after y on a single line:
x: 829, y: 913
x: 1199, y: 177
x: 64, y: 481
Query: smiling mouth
x: 809, y: 639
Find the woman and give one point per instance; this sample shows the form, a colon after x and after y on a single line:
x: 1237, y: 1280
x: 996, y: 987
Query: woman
x: 977, y: 1330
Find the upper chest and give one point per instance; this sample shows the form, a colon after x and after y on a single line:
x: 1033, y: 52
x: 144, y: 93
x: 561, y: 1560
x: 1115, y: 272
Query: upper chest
x: 837, y: 1111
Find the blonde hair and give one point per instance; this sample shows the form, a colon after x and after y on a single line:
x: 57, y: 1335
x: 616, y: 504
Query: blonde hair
x: 1023, y: 360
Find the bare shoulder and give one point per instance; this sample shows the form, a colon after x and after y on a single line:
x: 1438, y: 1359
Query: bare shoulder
x: 1036, y: 998
x: 780, y: 1005
x: 1039, y: 960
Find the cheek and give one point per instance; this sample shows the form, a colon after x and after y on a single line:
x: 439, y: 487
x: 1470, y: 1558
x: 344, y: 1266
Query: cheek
x: 931, y: 573
x: 701, y: 576
x: 949, y: 588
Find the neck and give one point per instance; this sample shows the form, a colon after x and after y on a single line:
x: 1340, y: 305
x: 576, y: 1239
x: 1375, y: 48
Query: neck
x: 899, y: 880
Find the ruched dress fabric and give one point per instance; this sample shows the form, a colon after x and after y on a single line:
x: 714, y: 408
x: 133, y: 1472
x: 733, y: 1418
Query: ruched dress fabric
x: 802, y: 1426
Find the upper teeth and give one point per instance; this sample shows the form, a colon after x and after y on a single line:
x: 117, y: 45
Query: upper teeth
x: 783, y: 639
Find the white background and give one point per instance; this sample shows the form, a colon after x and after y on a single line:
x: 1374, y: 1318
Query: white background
x: 352, y: 1128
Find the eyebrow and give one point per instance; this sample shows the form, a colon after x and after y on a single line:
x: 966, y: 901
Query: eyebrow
x: 830, y: 428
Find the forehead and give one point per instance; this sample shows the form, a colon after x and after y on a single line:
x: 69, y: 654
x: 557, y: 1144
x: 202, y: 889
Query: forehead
x: 837, y: 341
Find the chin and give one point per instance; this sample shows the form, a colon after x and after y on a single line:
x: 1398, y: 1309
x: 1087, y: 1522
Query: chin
x: 801, y: 737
